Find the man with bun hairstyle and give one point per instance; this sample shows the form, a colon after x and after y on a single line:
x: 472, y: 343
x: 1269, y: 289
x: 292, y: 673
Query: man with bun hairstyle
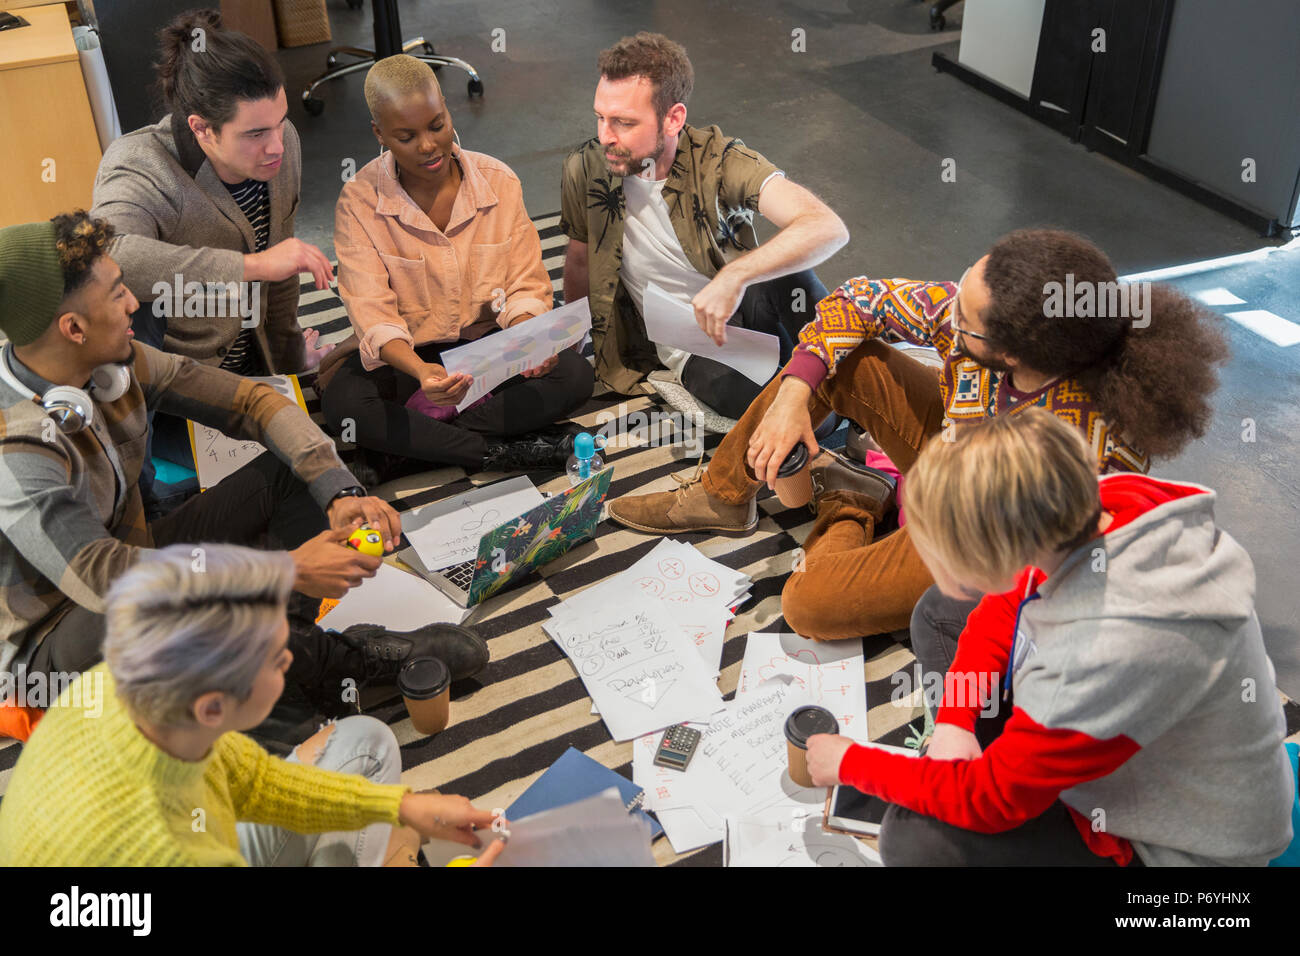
x: 202, y: 203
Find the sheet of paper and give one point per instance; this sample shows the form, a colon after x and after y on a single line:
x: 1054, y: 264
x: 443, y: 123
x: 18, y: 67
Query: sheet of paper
x: 767, y: 843
x: 502, y: 355
x: 670, y: 321
x: 217, y: 455
x: 739, y: 769
x: 447, y: 532
x: 675, y: 573
x: 707, y: 630
x: 396, y: 599
x: 637, y: 665
x: 829, y: 672
x: 597, y: 831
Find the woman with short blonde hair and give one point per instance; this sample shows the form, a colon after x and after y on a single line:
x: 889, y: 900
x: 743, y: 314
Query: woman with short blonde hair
x: 193, y: 620
x: 1118, y: 632
x: 436, y: 249
x: 142, y: 761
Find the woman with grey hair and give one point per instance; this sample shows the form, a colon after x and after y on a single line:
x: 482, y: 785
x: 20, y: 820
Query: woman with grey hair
x: 142, y: 761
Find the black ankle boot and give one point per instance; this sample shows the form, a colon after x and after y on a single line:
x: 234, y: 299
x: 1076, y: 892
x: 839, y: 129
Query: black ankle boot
x: 377, y: 654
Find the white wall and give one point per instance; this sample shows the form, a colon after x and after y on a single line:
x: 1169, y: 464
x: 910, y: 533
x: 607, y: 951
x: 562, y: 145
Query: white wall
x: 999, y: 39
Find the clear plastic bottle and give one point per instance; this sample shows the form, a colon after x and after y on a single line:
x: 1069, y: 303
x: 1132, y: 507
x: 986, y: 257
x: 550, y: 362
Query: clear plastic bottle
x: 584, y: 462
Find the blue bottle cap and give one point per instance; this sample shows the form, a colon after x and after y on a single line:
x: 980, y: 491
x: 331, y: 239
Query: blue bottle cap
x: 584, y: 446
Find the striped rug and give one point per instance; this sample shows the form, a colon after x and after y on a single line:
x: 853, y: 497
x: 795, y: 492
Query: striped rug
x: 528, y: 706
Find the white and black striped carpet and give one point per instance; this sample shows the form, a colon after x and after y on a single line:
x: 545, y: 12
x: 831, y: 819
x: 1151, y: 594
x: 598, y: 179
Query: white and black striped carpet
x: 528, y: 706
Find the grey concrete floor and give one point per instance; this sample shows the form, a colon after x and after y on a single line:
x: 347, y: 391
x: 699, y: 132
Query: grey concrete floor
x: 861, y: 118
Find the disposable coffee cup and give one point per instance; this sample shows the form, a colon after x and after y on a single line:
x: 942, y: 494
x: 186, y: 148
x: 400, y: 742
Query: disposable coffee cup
x: 425, y: 685
x: 799, y: 726
x: 794, y: 478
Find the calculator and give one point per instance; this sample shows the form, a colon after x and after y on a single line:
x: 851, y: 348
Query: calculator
x: 677, y: 747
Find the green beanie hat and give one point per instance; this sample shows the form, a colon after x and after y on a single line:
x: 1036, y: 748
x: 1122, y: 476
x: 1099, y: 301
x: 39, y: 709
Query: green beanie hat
x: 31, y: 281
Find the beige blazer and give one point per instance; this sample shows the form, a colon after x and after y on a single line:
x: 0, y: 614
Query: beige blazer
x: 174, y: 217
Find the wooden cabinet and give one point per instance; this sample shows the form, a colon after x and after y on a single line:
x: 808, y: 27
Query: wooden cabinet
x: 49, y: 150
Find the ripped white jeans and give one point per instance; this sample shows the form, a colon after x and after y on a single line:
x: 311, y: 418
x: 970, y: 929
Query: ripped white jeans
x: 361, y: 745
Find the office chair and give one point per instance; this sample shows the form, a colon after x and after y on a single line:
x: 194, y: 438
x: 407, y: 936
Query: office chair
x: 388, y: 41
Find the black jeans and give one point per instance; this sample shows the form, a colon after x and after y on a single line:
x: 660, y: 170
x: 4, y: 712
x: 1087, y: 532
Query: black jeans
x: 779, y: 307
x: 1049, y: 839
x: 261, y: 505
x: 375, y: 402
x: 908, y: 838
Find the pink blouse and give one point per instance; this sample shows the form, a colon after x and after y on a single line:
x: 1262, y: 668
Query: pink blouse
x: 401, y: 277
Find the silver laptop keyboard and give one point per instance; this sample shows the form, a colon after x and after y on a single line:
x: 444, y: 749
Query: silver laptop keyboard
x: 460, y: 574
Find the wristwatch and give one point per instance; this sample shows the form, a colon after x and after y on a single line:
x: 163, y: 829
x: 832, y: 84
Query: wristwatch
x: 353, y: 491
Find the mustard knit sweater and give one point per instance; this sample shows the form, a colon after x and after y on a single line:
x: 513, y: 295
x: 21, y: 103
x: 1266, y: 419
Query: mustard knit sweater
x: 93, y: 791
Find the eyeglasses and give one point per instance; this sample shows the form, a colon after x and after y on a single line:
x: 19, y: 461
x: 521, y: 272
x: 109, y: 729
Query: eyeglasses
x: 956, y: 313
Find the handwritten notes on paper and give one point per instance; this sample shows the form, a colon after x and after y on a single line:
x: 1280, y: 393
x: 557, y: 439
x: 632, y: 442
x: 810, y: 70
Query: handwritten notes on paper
x: 447, y: 532
x: 217, y: 455
x: 739, y: 769
x: 829, y: 674
x: 697, y: 591
x: 638, y: 666
x: 502, y: 355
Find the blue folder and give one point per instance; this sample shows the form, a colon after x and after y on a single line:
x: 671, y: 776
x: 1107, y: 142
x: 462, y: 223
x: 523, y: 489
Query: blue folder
x: 573, y: 777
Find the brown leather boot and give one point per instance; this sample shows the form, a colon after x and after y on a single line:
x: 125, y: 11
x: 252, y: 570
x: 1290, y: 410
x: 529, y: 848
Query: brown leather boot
x: 689, y: 508
x: 831, y: 473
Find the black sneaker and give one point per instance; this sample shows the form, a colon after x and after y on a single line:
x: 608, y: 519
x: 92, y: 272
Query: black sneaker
x: 378, y: 654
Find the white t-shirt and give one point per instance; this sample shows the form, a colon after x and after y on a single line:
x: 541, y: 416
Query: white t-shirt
x: 651, y: 253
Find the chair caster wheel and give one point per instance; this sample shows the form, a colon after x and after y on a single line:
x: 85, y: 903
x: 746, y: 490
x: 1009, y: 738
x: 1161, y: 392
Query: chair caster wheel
x: 313, y: 106
x: 937, y: 21
x: 475, y: 87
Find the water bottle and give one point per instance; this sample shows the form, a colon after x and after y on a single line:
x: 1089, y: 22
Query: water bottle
x: 584, y: 462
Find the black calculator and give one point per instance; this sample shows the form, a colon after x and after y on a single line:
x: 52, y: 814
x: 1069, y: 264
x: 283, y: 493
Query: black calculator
x: 677, y: 747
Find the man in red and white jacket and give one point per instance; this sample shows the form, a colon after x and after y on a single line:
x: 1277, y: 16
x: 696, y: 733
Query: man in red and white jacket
x: 1143, y: 722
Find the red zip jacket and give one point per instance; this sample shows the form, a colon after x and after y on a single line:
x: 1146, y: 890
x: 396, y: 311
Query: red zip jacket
x: 1023, y: 772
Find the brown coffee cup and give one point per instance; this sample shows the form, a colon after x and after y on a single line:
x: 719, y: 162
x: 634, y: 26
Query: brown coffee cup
x: 425, y: 685
x: 794, y: 478
x: 802, y: 723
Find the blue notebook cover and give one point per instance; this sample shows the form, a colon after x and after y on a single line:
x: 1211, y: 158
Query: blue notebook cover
x: 573, y: 777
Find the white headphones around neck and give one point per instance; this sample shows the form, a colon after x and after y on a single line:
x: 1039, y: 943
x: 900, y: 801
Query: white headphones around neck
x: 72, y: 408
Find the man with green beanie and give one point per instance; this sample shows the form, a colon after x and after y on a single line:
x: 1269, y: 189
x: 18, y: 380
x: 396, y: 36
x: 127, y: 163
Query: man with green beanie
x: 75, y: 395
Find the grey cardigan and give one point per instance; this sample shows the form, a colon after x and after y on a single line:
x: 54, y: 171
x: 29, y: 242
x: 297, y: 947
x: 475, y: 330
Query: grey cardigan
x: 174, y: 217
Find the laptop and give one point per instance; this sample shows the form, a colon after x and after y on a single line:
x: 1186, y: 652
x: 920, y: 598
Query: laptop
x: 514, y: 549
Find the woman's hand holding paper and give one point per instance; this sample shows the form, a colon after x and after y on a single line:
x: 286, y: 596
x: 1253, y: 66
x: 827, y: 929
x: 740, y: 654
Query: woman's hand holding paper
x: 443, y: 389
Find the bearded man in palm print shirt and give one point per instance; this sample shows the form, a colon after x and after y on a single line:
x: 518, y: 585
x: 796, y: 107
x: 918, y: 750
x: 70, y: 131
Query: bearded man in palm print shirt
x: 653, y: 200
